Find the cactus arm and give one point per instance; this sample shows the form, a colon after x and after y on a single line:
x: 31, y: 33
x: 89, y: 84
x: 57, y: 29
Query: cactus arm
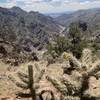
x: 23, y: 95
x: 71, y: 85
x: 58, y: 85
x: 97, y: 75
x: 21, y: 85
x: 70, y: 98
x: 94, y: 69
x: 49, y: 91
x: 13, y: 79
x: 87, y: 57
x: 37, y: 67
x: 22, y: 74
x: 39, y: 76
x: 75, y: 62
x: 23, y: 79
x: 72, y: 59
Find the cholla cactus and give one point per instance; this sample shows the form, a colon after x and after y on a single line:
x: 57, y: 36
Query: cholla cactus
x: 28, y: 83
x: 66, y: 85
x: 70, y: 98
x: 87, y: 57
x: 75, y: 84
x: 94, y: 69
x: 66, y: 55
x: 57, y: 83
x: 72, y: 59
x: 71, y: 86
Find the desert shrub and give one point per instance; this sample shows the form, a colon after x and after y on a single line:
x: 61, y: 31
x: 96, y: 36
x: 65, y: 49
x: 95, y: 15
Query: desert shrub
x: 74, y: 42
x: 77, y: 40
x: 96, y: 44
x: 57, y: 46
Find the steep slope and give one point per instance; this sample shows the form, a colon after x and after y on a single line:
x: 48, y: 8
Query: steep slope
x: 26, y: 28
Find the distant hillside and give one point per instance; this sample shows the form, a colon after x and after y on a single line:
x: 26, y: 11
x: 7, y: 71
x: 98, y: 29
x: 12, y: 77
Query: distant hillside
x: 55, y: 15
x: 21, y: 27
x: 90, y: 16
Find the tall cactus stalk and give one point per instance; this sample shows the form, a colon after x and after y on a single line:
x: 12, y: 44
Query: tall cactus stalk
x: 31, y: 82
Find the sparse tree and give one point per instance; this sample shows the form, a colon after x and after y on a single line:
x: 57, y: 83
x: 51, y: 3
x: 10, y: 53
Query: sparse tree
x: 58, y: 45
x: 77, y: 41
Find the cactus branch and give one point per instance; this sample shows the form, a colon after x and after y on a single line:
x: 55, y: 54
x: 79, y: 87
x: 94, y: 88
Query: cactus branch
x: 31, y: 81
x: 21, y: 85
x: 61, y: 87
x: 39, y: 76
x: 23, y: 95
x: 25, y: 80
x: 94, y: 69
x: 22, y: 74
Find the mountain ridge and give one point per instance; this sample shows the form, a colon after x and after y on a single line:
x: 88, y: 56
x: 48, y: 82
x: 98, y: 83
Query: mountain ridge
x: 20, y: 26
x: 90, y: 16
x: 63, y: 19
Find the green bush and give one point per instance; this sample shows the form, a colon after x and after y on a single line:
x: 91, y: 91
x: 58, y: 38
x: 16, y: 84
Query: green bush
x: 58, y: 45
x: 96, y: 44
x: 77, y: 40
x: 74, y: 42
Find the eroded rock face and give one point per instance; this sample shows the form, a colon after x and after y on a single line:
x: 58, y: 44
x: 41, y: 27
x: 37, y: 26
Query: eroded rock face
x: 26, y: 28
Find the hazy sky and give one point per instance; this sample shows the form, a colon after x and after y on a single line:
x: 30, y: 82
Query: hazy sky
x: 50, y: 6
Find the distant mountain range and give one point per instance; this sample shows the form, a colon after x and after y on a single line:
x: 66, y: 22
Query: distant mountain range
x: 33, y: 29
x: 29, y: 28
x: 91, y: 16
x: 55, y: 15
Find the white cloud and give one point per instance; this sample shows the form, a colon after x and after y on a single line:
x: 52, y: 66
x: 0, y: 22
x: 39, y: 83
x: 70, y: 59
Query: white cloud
x: 46, y: 6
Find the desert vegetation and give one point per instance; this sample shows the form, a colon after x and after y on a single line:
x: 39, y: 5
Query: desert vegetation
x: 44, y: 59
x: 72, y: 83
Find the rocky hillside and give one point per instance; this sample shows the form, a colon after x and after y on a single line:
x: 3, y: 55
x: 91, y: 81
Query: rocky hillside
x: 27, y: 28
x: 90, y: 16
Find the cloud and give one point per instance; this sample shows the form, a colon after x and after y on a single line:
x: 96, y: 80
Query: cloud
x: 46, y: 6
